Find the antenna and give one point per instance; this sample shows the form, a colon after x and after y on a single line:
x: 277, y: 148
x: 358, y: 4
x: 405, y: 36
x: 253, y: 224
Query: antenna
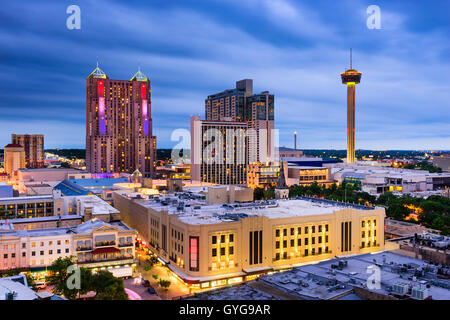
x: 350, y: 58
x: 97, y: 61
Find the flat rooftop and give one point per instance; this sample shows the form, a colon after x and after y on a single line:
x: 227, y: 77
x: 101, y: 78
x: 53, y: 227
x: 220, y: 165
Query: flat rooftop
x: 193, y: 209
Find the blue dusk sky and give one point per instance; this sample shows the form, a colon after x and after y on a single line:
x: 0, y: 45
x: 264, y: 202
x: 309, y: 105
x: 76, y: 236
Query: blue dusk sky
x: 189, y: 49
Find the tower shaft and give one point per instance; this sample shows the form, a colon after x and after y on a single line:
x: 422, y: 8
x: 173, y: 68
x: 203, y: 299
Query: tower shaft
x: 350, y: 122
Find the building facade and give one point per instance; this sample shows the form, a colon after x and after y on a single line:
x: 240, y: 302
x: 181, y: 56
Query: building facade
x: 14, y: 159
x: 242, y: 105
x: 219, y: 151
x: 34, y: 148
x: 95, y: 244
x: 119, y: 135
x: 214, y: 245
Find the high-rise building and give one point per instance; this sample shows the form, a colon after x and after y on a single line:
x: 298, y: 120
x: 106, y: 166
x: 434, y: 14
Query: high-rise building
x: 218, y: 151
x: 14, y: 159
x: 351, y: 77
x: 240, y: 104
x: 119, y: 124
x: 34, y: 148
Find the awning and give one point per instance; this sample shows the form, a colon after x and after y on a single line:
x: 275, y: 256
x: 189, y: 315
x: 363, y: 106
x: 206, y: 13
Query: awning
x: 105, y: 250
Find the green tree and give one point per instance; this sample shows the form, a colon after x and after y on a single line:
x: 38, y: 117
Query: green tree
x: 60, y: 276
x: 164, y: 284
x: 108, y: 287
x: 155, y: 276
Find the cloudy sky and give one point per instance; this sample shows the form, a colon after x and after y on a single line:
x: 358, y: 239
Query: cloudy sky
x: 189, y: 49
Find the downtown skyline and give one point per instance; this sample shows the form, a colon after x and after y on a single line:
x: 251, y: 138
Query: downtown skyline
x: 189, y: 51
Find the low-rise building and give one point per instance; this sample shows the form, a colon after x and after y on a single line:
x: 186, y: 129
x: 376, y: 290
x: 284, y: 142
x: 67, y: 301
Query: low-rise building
x: 377, y: 180
x: 95, y: 244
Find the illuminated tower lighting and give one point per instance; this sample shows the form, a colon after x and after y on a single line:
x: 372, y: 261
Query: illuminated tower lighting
x: 351, y: 77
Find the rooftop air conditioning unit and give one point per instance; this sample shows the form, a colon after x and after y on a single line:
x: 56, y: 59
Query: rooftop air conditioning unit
x: 400, y: 288
x: 419, y: 293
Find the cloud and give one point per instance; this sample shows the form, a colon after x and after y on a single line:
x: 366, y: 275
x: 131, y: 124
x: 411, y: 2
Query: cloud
x: 189, y: 51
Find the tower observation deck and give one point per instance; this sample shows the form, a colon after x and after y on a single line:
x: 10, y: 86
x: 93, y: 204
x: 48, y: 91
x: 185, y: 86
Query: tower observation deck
x: 351, y: 77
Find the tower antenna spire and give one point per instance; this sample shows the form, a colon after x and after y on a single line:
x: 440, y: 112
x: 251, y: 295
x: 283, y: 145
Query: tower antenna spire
x: 350, y: 58
x: 97, y: 61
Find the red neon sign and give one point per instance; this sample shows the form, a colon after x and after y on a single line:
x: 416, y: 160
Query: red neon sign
x: 100, y: 88
x: 143, y: 91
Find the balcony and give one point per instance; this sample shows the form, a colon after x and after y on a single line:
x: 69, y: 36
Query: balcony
x: 84, y: 248
x: 123, y: 259
x: 121, y: 245
x: 105, y: 243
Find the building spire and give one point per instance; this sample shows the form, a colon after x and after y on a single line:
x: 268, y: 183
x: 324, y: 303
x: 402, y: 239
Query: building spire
x: 350, y: 58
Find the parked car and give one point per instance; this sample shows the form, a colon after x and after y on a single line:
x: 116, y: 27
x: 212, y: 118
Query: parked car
x: 40, y: 285
x: 146, y: 283
x: 151, y: 290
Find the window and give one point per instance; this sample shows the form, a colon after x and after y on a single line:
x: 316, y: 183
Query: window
x: 306, y: 252
x: 42, y: 253
x: 313, y: 251
x: 299, y: 242
x: 50, y: 251
x: 326, y: 238
x: 231, y: 237
x: 299, y: 230
x: 193, y: 254
x: 306, y: 230
x: 33, y: 244
x: 363, y: 234
x: 363, y: 244
x: 222, y: 238
x: 42, y: 244
x: 285, y: 255
x: 313, y: 229
x: 5, y: 256
x: 363, y: 224
x: 58, y: 251
x: 50, y: 243
x: 33, y: 253
x: 24, y: 254
x: 292, y: 242
x: 214, y: 239
x: 284, y: 232
x: 319, y: 239
x: 326, y: 227
x: 284, y: 244
x: 306, y: 241
x: 231, y: 250
x: 67, y: 250
x: 58, y: 242
x: 320, y: 250
x: 277, y: 233
x: 320, y: 228
x: 277, y: 245
x: 326, y: 249
x: 313, y: 240
x: 374, y: 222
x: 277, y: 256
x: 214, y: 252
x: 24, y: 245
x: 222, y: 251
x: 292, y: 231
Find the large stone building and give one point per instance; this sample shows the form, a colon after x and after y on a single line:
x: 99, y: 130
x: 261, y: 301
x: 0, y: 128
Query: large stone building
x: 119, y: 135
x: 211, y: 245
x: 34, y: 148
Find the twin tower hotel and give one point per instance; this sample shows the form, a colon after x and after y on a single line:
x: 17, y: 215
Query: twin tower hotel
x: 119, y: 135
